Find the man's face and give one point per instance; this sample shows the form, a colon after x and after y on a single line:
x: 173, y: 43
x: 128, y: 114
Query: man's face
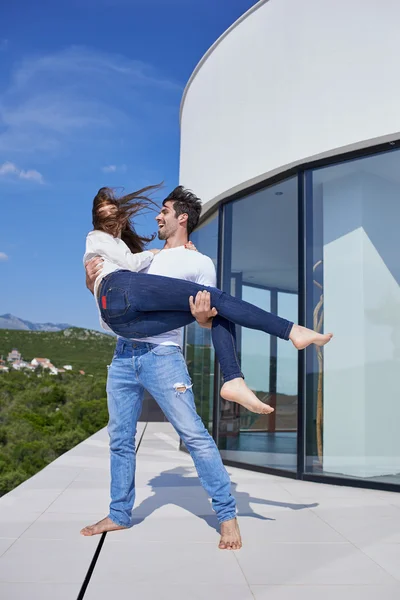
x: 167, y: 221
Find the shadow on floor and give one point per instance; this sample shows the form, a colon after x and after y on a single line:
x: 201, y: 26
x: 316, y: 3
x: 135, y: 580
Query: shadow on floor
x: 164, y: 488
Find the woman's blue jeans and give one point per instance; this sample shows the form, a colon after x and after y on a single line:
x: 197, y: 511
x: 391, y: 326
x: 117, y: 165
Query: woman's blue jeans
x: 138, y: 305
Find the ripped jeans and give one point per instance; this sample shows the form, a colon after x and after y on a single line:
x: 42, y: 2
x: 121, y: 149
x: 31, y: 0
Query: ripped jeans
x: 162, y: 371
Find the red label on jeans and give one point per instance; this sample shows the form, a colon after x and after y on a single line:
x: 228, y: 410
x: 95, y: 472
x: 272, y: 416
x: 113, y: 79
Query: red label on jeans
x: 104, y: 302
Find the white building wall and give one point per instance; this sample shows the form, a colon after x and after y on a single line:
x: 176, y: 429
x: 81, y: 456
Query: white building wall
x: 292, y: 80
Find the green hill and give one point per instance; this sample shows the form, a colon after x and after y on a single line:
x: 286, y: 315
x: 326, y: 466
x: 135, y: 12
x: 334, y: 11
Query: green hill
x: 83, y: 349
x: 43, y: 416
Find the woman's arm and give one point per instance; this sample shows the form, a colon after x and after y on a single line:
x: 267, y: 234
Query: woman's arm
x: 99, y: 243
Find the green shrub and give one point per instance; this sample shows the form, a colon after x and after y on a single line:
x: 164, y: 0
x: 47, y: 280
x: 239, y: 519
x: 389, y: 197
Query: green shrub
x: 11, y: 479
x: 43, y: 417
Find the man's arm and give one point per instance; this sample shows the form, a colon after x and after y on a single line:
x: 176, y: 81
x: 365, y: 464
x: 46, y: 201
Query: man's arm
x: 92, y: 268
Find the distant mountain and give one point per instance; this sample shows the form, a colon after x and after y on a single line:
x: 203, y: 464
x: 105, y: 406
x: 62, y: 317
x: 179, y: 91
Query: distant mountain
x: 11, y: 322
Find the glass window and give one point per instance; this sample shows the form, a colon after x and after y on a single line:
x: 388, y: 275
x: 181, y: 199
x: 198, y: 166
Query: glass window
x: 199, y: 349
x: 260, y: 265
x: 353, y: 266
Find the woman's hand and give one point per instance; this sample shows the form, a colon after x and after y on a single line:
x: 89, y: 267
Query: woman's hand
x: 190, y: 246
x: 154, y: 251
x: 93, y: 268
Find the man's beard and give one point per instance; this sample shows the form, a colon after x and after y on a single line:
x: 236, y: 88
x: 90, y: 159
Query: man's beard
x: 162, y: 234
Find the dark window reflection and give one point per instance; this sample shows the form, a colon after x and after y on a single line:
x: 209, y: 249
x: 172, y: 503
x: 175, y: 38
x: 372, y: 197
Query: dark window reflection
x: 199, y: 348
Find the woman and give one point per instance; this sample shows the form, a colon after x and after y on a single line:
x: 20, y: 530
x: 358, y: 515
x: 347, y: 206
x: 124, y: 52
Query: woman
x: 138, y: 305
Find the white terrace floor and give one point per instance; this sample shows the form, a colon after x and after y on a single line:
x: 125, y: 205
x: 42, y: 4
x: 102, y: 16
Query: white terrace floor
x: 301, y: 540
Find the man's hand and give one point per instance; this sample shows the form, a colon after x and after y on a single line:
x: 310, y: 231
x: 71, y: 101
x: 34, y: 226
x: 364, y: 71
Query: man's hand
x: 201, y: 309
x: 190, y: 246
x: 93, y: 268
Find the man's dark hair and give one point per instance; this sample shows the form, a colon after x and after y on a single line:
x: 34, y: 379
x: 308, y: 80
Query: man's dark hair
x: 185, y: 202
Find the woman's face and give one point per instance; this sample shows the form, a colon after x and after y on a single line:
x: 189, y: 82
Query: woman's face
x: 108, y: 211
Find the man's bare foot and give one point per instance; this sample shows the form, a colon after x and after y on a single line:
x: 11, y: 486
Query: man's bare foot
x: 100, y: 527
x: 230, y: 536
x: 236, y: 390
x: 301, y: 337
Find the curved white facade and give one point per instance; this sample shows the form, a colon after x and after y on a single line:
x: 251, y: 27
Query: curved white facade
x: 293, y: 80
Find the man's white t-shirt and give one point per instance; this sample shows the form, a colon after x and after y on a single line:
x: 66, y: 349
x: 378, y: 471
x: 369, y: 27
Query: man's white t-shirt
x: 181, y: 264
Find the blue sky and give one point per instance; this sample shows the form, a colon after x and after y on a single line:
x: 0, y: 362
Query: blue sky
x: 89, y: 96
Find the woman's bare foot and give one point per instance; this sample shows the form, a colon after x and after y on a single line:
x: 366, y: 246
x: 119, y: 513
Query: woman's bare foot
x: 236, y: 390
x: 100, y: 527
x: 301, y: 337
x: 230, y: 536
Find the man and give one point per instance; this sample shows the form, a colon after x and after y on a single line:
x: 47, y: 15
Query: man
x: 157, y: 365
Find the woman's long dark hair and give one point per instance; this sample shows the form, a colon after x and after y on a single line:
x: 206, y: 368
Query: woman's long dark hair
x: 119, y: 220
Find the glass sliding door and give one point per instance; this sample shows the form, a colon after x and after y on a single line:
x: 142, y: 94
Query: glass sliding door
x: 353, y: 289
x: 260, y: 265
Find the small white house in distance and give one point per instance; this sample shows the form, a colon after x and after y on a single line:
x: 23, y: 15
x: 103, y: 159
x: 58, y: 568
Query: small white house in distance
x: 21, y: 364
x: 67, y: 367
x: 14, y: 355
x: 3, y: 369
x: 43, y: 362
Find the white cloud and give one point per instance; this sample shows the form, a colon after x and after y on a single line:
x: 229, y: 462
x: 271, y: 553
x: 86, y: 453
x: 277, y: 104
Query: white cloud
x: 32, y: 174
x: 3, y: 257
x: 80, y: 99
x: 9, y: 168
x: 83, y: 62
x: 114, y: 169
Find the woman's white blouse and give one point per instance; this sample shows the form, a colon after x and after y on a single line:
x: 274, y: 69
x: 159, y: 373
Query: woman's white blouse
x: 116, y: 255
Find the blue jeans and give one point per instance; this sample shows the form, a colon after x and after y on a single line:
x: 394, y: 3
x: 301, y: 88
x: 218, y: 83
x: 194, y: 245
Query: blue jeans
x: 138, y: 305
x: 137, y: 366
